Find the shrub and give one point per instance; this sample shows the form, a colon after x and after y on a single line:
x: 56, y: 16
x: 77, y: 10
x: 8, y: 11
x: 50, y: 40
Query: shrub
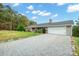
x: 40, y: 31
x: 75, y: 31
x: 20, y: 27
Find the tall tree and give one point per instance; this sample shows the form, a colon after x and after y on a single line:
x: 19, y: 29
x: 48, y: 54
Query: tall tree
x: 31, y: 22
x: 23, y: 20
x: 9, y: 19
x: 77, y: 22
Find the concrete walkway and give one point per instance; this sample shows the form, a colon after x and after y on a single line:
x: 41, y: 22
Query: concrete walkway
x: 42, y: 45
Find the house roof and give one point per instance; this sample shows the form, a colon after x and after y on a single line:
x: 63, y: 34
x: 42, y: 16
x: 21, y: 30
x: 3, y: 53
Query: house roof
x: 62, y: 23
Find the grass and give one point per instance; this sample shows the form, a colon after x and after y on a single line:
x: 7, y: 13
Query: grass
x: 76, y: 43
x: 13, y: 35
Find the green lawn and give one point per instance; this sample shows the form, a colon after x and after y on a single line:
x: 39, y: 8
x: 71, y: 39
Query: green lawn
x: 13, y: 35
x: 76, y: 43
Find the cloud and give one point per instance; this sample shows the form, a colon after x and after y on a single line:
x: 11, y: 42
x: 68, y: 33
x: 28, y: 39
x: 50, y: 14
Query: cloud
x: 44, y: 13
x: 41, y: 13
x: 23, y: 14
x: 55, y: 15
x: 16, y: 4
x: 30, y: 8
x: 73, y: 8
x: 59, y: 4
x: 34, y: 17
x: 38, y: 12
x: 35, y: 11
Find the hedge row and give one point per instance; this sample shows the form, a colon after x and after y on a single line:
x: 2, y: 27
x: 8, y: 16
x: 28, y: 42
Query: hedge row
x: 75, y: 31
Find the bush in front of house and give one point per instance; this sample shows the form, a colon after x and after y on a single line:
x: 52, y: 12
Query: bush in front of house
x: 20, y: 27
x: 40, y: 31
x: 75, y: 31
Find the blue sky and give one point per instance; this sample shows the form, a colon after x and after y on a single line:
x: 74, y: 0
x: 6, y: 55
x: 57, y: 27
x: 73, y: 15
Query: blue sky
x: 42, y: 12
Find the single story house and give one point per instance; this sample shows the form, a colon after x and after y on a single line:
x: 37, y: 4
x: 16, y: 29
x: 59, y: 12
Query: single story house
x: 61, y: 28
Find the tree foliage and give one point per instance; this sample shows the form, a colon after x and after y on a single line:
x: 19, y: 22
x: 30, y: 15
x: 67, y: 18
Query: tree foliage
x: 20, y: 27
x: 31, y: 22
x: 10, y: 20
x: 75, y: 31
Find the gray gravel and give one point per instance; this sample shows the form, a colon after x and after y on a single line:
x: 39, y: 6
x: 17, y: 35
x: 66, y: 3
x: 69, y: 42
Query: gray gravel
x: 42, y: 45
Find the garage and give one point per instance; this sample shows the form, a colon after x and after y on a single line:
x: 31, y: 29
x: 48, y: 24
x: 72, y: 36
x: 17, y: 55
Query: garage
x: 57, y: 30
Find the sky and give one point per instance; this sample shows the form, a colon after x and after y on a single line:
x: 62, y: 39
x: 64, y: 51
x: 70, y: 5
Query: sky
x: 42, y: 12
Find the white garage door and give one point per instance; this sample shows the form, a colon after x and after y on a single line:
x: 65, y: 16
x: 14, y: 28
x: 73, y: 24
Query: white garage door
x: 57, y: 30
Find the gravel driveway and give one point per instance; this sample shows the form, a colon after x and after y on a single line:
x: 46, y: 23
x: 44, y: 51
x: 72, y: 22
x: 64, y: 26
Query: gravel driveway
x: 42, y: 45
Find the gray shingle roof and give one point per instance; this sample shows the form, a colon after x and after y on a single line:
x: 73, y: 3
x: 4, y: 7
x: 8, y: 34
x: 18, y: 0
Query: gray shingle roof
x: 62, y: 23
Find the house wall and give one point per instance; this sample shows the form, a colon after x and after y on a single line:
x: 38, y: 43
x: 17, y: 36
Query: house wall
x: 69, y: 30
x: 63, y: 30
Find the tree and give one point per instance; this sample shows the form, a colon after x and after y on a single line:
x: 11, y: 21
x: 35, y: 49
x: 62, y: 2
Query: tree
x: 32, y: 22
x: 8, y: 16
x: 77, y: 21
x: 1, y: 7
x: 12, y: 15
x: 23, y: 20
x: 75, y: 31
x: 20, y: 27
x: 10, y: 20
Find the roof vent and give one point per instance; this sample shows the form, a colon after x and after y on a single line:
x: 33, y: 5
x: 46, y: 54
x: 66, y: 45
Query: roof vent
x: 50, y: 20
